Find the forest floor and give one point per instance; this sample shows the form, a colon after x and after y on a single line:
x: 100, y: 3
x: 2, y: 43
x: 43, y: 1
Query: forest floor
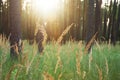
x: 61, y: 62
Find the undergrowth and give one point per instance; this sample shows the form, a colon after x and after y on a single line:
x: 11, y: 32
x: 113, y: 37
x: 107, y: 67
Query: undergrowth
x: 61, y: 62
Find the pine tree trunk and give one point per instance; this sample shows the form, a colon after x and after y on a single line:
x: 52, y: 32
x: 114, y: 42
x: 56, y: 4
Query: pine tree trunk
x: 15, y: 25
x: 105, y: 24
x: 84, y: 19
x: 113, y: 31
x: 98, y: 18
x: 78, y: 20
x: 110, y: 22
x: 1, y: 7
x: 90, y: 26
x: 118, y: 24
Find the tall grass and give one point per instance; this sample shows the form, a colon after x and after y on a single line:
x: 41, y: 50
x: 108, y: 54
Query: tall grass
x: 66, y: 62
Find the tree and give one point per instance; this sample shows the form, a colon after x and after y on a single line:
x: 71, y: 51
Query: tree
x: 98, y: 19
x: 118, y: 24
x: 1, y: 4
x: 105, y: 23
x: 5, y: 19
x: 84, y: 19
x: 15, y: 28
x: 113, y: 29
x: 90, y: 26
x: 110, y: 22
x: 77, y: 17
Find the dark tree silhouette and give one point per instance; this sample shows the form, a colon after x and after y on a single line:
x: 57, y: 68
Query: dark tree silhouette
x: 105, y: 24
x: 113, y: 29
x: 118, y: 24
x: 84, y: 19
x: 90, y: 26
x: 98, y: 18
x: 110, y: 22
x: 15, y: 25
x: 1, y: 5
x: 77, y: 16
x: 5, y: 19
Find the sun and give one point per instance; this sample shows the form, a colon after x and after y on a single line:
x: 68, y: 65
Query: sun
x: 46, y: 6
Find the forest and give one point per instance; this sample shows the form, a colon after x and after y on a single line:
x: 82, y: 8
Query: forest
x: 87, y: 17
x: 59, y: 39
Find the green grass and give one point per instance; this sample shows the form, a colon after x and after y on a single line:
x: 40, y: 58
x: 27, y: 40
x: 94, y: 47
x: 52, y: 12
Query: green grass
x: 59, y: 62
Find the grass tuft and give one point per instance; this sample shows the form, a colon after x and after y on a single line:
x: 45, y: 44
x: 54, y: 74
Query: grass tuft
x: 61, y: 62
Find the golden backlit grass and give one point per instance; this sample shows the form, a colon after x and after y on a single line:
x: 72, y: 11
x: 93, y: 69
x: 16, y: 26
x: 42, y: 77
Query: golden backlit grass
x: 61, y: 62
x: 65, y: 62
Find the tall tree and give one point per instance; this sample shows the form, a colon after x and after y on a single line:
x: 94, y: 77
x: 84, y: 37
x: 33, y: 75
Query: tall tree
x: 84, y: 19
x: 71, y: 17
x: 1, y: 5
x: 98, y: 18
x: 5, y: 15
x: 90, y: 26
x: 113, y: 29
x: 15, y: 25
x: 118, y: 24
x: 105, y: 23
x: 110, y: 22
x: 78, y: 8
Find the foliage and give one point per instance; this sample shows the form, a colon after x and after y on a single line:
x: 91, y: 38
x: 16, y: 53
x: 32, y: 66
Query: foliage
x: 66, y: 62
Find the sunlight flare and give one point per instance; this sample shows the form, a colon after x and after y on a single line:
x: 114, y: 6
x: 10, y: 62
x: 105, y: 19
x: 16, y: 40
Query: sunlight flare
x: 46, y: 6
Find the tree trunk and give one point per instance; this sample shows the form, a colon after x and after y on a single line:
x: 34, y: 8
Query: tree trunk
x: 15, y: 25
x: 105, y: 24
x: 1, y: 7
x: 118, y: 24
x: 78, y: 20
x: 110, y: 22
x: 84, y: 19
x: 90, y: 26
x: 113, y: 30
x: 98, y: 18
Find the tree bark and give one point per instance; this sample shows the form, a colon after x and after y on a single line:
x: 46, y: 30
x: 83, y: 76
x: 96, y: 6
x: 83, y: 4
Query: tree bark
x: 110, y: 22
x: 98, y: 19
x: 1, y: 7
x: 90, y: 26
x: 78, y: 20
x: 15, y: 25
x: 113, y: 30
x: 84, y: 19
x: 105, y: 24
x: 118, y: 24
